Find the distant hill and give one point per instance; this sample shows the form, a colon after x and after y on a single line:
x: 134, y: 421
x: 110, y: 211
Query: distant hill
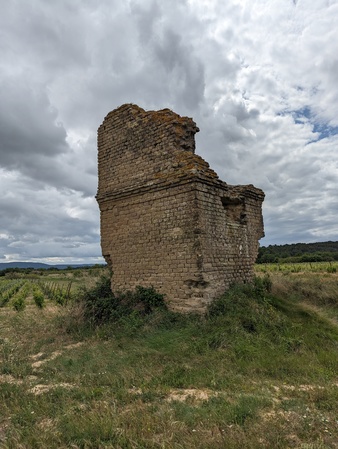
x: 41, y: 266
x: 299, y: 252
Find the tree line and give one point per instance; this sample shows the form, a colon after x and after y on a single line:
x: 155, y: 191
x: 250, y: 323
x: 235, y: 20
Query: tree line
x: 299, y: 252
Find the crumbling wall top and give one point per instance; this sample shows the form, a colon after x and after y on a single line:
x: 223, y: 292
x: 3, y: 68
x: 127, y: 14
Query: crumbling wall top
x: 160, y: 144
x: 178, y: 131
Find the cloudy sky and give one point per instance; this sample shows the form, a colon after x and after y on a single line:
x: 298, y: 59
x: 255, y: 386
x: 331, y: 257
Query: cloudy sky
x: 260, y: 78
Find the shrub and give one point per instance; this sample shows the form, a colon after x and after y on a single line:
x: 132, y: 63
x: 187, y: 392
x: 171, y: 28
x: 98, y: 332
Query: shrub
x: 102, y: 305
x: 19, y: 303
x: 143, y: 299
x: 98, y: 301
x: 39, y: 298
x: 262, y: 285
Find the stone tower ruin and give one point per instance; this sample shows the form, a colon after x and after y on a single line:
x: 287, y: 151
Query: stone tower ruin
x: 167, y: 220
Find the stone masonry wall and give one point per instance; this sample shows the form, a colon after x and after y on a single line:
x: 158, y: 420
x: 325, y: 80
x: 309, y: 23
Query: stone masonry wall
x: 166, y: 218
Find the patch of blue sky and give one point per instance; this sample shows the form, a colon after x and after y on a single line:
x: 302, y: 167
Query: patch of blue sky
x: 305, y: 115
x: 302, y: 115
x: 324, y: 130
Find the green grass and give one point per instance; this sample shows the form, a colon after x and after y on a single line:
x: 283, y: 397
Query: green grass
x: 298, y: 267
x: 259, y: 371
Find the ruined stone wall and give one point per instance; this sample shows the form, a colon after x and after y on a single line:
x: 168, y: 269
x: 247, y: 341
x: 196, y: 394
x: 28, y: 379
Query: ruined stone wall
x: 230, y: 227
x: 166, y: 218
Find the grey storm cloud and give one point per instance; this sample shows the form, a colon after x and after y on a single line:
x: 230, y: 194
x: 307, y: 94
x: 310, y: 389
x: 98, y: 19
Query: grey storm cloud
x: 28, y: 125
x: 259, y: 78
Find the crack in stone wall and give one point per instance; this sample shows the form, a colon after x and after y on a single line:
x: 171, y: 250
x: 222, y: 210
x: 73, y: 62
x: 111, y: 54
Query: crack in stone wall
x: 167, y: 220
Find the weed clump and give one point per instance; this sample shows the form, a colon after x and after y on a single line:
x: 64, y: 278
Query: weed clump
x: 102, y: 305
x: 245, y: 313
x: 242, y: 298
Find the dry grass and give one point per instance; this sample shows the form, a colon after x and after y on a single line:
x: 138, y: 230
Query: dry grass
x: 316, y: 290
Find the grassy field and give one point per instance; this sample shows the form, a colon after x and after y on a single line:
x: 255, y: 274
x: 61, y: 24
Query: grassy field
x: 313, y: 285
x: 260, y: 371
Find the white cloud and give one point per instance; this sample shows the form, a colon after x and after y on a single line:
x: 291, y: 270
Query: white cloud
x: 259, y: 78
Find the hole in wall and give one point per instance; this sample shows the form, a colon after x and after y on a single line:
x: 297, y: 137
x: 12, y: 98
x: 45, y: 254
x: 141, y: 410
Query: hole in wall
x: 235, y: 208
